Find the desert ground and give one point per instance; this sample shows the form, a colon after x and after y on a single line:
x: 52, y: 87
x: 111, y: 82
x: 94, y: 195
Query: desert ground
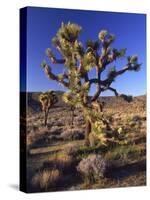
x: 58, y: 160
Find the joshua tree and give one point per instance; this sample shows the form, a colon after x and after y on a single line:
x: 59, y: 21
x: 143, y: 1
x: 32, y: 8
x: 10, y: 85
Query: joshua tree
x: 78, y: 60
x: 47, y: 99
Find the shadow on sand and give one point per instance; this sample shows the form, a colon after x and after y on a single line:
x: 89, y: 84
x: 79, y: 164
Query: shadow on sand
x: 127, y: 170
x: 14, y: 186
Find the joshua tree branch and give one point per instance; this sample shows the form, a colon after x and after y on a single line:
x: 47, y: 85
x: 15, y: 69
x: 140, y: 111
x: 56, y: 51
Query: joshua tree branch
x: 79, y: 69
x: 53, y: 59
x: 52, y: 76
x: 124, y: 69
x: 113, y: 90
x: 94, y: 80
x: 106, y: 61
x: 125, y: 97
x: 57, y: 61
x: 83, y: 73
x: 109, y: 80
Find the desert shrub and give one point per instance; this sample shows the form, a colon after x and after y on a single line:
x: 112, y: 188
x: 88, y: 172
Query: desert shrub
x: 35, y: 128
x: 80, y: 152
x: 92, y: 168
x: 36, y: 139
x: 46, y: 178
x: 55, y: 130
x: 132, y: 124
x: 59, y: 123
x: 72, y: 134
x: 53, y: 138
x: 109, y: 116
x: 136, y: 118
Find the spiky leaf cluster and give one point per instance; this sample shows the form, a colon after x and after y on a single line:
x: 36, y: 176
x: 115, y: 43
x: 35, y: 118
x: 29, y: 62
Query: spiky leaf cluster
x: 69, y: 32
x: 133, y: 62
x: 102, y: 35
x: 91, y: 44
x: 106, y: 37
x: 119, y: 53
x: 77, y: 99
x: 89, y: 61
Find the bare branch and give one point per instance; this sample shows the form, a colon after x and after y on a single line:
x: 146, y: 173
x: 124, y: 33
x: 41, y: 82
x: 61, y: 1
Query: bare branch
x: 79, y: 69
x: 127, y: 98
x: 113, y: 90
x: 94, y: 80
x: 111, y: 56
x: 109, y: 80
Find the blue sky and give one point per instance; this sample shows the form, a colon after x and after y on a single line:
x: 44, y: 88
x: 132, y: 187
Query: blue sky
x: 129, y: 29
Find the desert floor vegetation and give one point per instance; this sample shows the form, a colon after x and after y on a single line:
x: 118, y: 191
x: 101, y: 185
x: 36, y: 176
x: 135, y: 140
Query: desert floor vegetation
x: 58, y: 158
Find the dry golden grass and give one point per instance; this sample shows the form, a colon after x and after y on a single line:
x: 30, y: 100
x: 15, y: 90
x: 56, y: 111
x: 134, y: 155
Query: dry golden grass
x: 61, y: 157
x: 46, y: 178
x: 61, y: 161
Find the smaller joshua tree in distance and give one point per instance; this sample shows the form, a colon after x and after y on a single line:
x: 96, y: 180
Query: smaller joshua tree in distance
x: 47, y: 100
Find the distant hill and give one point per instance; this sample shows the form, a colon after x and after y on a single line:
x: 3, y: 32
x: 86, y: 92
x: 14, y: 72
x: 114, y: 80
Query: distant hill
x: 110, y: 101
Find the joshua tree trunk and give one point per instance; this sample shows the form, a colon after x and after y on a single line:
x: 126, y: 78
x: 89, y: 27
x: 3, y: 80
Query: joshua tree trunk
x: 72, y: 115
x: 98, y: 108
x: 87, y: 132
x: 45, y: 118
x: 45, y: 121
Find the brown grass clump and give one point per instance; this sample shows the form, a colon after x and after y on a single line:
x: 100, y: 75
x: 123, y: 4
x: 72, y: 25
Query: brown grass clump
x: 64, y: 158
x: 61, y: 161
x: 46, y: 178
